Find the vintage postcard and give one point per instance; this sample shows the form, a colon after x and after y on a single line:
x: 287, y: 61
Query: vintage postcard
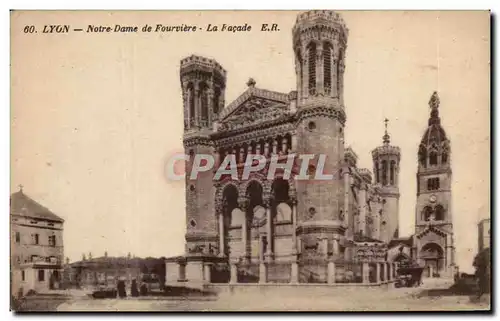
x: 250, y: 161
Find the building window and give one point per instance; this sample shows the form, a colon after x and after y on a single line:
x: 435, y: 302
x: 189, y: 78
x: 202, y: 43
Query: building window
x: 339, y: 62
x: 41, y: 275
x: 312, y: 68
x: 215, y: 107
x: 204, y: 103
x: 327, y: 67
x: 433, y: 158
x: 18, y: 237
x: 52, y: 240
x: 433, y: 184
x: 23, y: 275
x: 191, y: 103
x: 439, y: 213
x: 444, y: 158
x: 35, y: 239
x: 384, y: 172
x: 392, y: 172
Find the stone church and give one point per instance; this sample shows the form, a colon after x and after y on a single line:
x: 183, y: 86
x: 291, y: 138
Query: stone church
x: 285, y: 230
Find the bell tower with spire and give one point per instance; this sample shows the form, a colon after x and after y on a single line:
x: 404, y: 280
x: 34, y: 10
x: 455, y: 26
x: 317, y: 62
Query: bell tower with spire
x: 386, y: 160
x: 433, y: 219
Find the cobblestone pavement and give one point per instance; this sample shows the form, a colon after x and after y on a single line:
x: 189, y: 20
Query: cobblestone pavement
x: 348, y: 299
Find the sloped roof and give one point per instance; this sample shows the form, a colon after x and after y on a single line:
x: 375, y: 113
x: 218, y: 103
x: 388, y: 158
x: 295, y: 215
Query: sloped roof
x: 22, y: 205
x: 408, y: 241
x: 253, y: 92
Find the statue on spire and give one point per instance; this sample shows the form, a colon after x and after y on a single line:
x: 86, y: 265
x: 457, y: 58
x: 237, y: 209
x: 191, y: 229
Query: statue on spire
x: 386, y: 138
x: 434, y: 105
x: 434, y: 101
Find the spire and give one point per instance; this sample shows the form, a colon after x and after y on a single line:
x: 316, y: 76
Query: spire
x: 386, y: 138
x: 434, y: 105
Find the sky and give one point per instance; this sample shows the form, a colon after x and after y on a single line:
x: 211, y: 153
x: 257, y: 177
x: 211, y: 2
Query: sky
x: 94, y: 116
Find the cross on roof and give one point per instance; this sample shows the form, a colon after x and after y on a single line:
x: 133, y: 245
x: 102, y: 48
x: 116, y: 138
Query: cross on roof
x: 20, y: 187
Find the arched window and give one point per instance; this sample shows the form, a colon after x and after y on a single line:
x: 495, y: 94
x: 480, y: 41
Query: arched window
x: 422, y: 156
x: 299, y: 70
x: 339, y: 62
x: 377, y: 176
x: 216, y: 102
x: 191, y: 103
x: 426, y: 213
x: 384, y: 172
x: 433, y: 158
x: 204, y: 103
x: 444, y: 157
x: 327, y: 67
x: 392, y: 170
x: 312, y: 68
x: 439, y: 213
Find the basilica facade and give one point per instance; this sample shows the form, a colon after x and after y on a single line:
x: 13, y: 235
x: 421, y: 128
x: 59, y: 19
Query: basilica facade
x: 285, y: 229
x: 288, y: 230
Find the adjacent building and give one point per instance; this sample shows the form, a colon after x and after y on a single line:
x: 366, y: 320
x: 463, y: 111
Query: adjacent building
x: 484, y: 237
x: 37, y: 249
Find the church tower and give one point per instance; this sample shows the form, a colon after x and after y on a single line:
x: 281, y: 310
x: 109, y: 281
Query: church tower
x: 433, y: 219
x: 319, y: 43
x: 203, y: 84
x: 386, y: 160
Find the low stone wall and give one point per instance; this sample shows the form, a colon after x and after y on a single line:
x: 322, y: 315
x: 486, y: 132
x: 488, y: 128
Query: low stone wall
x: 294, y: 290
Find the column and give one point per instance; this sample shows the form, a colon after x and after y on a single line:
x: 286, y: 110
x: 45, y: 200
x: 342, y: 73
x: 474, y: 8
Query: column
x: 234, y: 272
x: 388, y: 271
x: 186, y: 107
x: 294, y: 143
x: 449, y: 255
x: 377, y: 272
x: 294, y: 226
x: 382, y: 272
x: 241, y: 157
x: 284, y: 145
x: 269, y: 229
x: 249, y: 150
x: 362, y: 208
x: 431, y: 271
x: 210, y: 105
x: 346, y: 197
x: 393, y: 270
x: 197, y: 113
x: 366, y: 273
x: 294, y: 278
x: 221, y: 233
x: 257, y: 149
x: 335, y: 247
x: 266, y: 149
x: 207, y: 273
x: 319, y: 69
x: 242, y: 202
x: 331, y: 272
x: 217, y: 160
x: 262, y: 272
x: 275, y: 146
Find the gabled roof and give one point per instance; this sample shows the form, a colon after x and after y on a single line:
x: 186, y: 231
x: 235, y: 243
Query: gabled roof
x: 432, y: 228
x: 22, y: 205
x: 253, y: 92
x: 408, y: 241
